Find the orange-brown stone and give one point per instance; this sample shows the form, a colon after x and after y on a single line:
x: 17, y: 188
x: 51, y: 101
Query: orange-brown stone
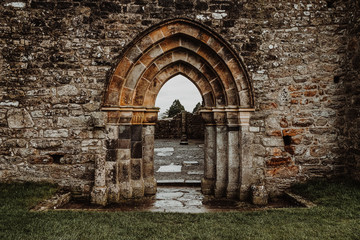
x: 156, y: 35
x: 278, y: 161
x: 310, y: 93
x: 126, y: 96
x: 123, y: 67
x: 116, y: 83
x: 150, y: 72
x: 287, y: 171
x: 140, y: 91
x: 292, y: 132
x: 169, y: 43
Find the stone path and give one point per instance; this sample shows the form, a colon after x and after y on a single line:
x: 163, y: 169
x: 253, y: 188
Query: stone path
x: 175, y: 199
x: 183, y: 199
x: 175, y: 163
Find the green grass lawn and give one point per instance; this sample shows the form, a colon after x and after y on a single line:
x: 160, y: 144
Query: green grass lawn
x: 337, y: 216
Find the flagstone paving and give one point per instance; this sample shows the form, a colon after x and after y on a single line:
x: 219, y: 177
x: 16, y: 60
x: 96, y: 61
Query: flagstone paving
x: 176, y: 164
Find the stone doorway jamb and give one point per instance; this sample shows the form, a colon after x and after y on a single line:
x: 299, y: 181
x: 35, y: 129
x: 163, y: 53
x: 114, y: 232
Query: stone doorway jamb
x: 226, y: 158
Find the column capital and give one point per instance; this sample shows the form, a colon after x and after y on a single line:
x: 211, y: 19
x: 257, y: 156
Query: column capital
x: 230, y: 115
x: 244, y: 118
x: 135, y: 115
x: 207, y: 116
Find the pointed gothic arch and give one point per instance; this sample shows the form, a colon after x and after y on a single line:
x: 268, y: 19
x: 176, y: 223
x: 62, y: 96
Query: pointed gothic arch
x: 178, y: 46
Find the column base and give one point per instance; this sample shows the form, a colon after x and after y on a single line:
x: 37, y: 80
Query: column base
x: 150, y: 186
x: 114, y: 193
x: 125, y: 190
x: 207, y: 186
x: 232, y: 191
x: 220, y: 190
x: 137, y: 188
x: 244, y: 192
x: 99, y: 195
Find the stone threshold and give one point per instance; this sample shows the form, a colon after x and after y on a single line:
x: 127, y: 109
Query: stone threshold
x: 194, y: 202
x: 179, y: 183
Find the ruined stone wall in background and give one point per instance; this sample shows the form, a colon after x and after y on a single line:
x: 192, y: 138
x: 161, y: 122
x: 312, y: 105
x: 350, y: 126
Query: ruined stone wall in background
x: 171, y: 128
x: 351, y: 130
x: 56, y: 57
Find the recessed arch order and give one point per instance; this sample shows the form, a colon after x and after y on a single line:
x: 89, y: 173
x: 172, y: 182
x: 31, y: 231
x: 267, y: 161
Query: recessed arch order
x: 177, y: 46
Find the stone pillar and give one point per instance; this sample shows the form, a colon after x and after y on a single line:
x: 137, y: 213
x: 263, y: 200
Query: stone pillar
x: 221, y: 154
x: 99, y: 192
x: 127, y: 170
x: 233, y: 154
x: 148, y: 152
x: 123, y: 161
x: 122, y: 143
x: 233, y: 163
x: 184, y: 140
x: 228, y: 166
x: 246, y: 170
x: 208, y: 181
x: 137, y: 181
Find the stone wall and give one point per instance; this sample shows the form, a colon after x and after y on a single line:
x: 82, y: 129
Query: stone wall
x: 171, y: 128
x: 56, y: 58
x: 351, y: 129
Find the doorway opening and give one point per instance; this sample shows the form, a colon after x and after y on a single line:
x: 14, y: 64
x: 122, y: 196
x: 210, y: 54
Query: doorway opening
x: 179, y: 134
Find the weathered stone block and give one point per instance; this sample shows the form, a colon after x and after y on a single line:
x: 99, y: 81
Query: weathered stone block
x: 111, y: 155
x: 283, y: 171
x: 118, y: 144
x: 67, y: 90
x: 207, y: 186
x: 19, y: 118
x: 138, y: 188
x: 134, y: 75
x: 124, y: 171
x: 56, y: 133
x: 303, y: 122
x: 99, y: 195
x: 136, y: 149
x: 113, y: 193
x: 80, y: 121
x: 278, y: 161
x: 259, y: 195
x: 125, y: 190
x: 150, y: 186
x: 41, y: 144
x: 112, y: 131
x: 98, y: 119
x: 319, y: 151
x: 136, y: 169
x: 124, y: 132
x: 272, y: 141
x: 292, y: 132
x: 136, y: 133
x: 111, y: 175
x: 123, y: 154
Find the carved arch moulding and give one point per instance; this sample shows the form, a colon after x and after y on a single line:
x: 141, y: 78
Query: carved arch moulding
x: 177, y: 46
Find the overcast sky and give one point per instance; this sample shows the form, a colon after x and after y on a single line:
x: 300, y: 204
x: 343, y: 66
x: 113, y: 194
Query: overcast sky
x: 179, y: 87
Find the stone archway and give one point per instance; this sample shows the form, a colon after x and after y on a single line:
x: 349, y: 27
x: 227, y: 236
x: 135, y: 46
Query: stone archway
x: 178, y: 46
